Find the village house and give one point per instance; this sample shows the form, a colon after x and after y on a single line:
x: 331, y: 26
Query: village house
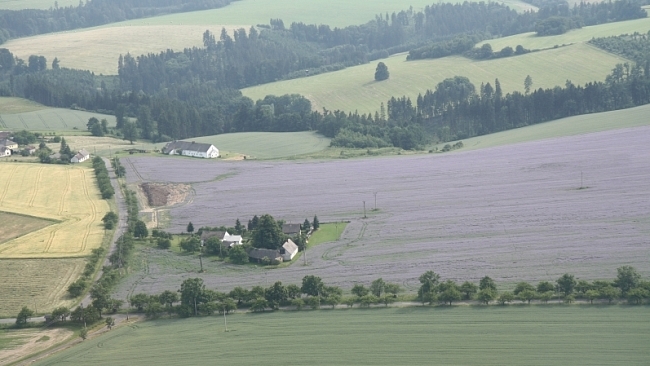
x: 80, y: 157
x: 288, y: 250
x: 227, y: 240
x: 291, y: 229
x: 8, y: 144
x: 5, y: 151
x: 260, y: 255
x: 30, y: 149
x: 194, y: 149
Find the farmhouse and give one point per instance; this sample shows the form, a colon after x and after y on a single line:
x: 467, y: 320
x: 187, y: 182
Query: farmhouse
x: 30, y: 149
x: 288, y: 250
x: 80, y: 157
x: 5, y: 151
x: 291, y: 229
x: 8, y: 144
x: 260, y: 255
x: 195, y: 149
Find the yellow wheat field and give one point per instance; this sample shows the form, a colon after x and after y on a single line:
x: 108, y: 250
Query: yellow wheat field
x: 66, y: 194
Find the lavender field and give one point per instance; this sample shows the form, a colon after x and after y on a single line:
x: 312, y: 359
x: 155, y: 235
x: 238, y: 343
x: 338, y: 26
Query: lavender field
x: 530, y: 211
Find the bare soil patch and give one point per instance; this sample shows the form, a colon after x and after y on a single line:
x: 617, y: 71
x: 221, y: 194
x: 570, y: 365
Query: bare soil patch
x: 165, y: 194
x: 36, y: 341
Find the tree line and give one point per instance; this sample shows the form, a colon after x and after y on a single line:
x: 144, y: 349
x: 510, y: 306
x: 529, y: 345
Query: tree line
x: 635, y: 47
x: 29, y: 22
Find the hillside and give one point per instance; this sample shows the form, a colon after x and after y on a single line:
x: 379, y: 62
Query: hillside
x: 355, y: 89
x: 21, y: 114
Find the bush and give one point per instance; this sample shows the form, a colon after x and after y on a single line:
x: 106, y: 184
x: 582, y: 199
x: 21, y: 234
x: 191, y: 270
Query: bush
x: 164, y: 243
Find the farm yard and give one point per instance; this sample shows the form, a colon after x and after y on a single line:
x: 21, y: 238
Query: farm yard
x: 46, y: 119
x: 524, y: 212
x: 64, y: 194
x: 512, y: 335
x: 354, y: 88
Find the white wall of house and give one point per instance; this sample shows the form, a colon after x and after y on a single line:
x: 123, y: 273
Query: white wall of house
x: 289, y: 256
x: 5, y: 152
x: 195, y: 154
x: 213, y: 152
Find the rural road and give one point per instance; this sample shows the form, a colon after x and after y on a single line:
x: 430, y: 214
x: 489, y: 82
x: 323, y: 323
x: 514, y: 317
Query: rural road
x: 121, y: 224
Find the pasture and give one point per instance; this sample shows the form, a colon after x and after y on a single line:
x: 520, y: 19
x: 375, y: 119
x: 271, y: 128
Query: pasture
x: 65, y: 194
x: 532, y: 41
x: 510, y: 212
x: 40, y: 284
x: 46, y: 119
x: 354, y: 88
x: 512, y: 335
x: 264, y: 145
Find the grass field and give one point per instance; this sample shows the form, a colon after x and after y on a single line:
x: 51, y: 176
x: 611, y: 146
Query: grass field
x: 44, y: 119
x: 264, y: 145
x: 9, y: 105
x: 531, y: 41
x: 588, y: 123
x: 66, y: 194
x: 354, y: 88
x: 39, y: 284
x: 14, y: 226
x: 512, y: 335
x: 327, y: 232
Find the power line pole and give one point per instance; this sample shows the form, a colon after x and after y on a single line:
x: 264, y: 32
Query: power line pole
x: 375, y: 201
x: 364, y: 210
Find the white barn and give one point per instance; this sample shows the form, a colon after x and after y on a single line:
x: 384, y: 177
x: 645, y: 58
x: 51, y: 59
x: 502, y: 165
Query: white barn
x: 80, y: 157
x: 194, y: 149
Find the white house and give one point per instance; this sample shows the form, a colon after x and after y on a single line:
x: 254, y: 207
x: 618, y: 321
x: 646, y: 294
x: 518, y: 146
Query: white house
x: 195, y: 149
x: 8, y: 144
x: 288, y: 250
x: 80, y: 157
x: 5, y: 151
x: 225, y: 237
x: 232, y: 240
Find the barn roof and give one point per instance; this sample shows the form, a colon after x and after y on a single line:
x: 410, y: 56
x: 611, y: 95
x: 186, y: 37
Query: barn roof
x: 187, y: 145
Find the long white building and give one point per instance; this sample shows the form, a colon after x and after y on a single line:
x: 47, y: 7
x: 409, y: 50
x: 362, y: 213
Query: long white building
x: 195, y: 149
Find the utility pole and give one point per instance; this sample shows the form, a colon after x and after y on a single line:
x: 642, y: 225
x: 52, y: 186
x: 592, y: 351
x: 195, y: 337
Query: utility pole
x: 364, y: 210
x: 375, y: 201
x: 201, y: 261
x: 225, y: 323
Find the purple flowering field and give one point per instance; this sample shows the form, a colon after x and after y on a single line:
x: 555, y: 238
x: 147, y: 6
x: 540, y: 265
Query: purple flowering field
x: 513, y: 212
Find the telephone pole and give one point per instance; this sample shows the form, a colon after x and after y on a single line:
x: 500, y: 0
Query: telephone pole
x: 364, y: 210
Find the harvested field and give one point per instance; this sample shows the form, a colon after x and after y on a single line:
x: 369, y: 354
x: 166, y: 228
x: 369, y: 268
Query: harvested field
x: 495, y: 335
x: 14, y: 226
x: 21, y: 343
x: 164, y: 194
x: 49, y: 119
x: 65, y: 194
x: 40, y: 284
x: 513, y: 212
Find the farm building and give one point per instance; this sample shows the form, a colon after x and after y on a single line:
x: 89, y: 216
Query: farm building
x: 225, y: 237
x: 195, y: 149
x: 4, y: 135
x: 260, y: 255
x: 5, y: 151
x: 291, y: 229
x: 288, y: 250
x: 30, y: 149
x: 8, y: 144
x: 80, y: 157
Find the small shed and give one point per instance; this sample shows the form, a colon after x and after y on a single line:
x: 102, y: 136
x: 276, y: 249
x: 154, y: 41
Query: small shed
x: 289, y: 250
x: 258, y: 255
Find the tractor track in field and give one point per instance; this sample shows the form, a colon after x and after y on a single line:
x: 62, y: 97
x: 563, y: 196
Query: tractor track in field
x: 65, y: 193
x: 3, y: 123
x: 94, y: 212
x: 4, y: 191
x: 329, y: 256
x: 39, y: 174
x: 140, y: 178
x: 23, y: 122
x: 42, y: 120
x: 62, y: 120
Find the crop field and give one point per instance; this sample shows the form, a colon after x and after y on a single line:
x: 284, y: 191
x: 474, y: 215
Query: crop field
x: 531, y: 41
x: 16, y: 344
x: 48, y: 119
x: 354, y: 88
x: 335, y: 13
x: 512, y: 212
x: 67, y: 195
x: 34, y: 4
x: 10, y: 105
x: 570, y: 126
x: 39, y: 284
x: 98, y: 49
x: 514, y: 335
x: 265, y: 145
x: 14, y: 225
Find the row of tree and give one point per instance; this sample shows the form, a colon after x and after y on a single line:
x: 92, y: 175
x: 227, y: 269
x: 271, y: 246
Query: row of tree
x: 103, y: 181
x: 628, y: 285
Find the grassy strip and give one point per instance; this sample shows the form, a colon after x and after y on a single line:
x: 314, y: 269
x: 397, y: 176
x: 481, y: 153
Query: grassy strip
x: 327, y: 232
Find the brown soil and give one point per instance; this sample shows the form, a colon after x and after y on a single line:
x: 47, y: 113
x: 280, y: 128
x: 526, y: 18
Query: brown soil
x: 165, y: 194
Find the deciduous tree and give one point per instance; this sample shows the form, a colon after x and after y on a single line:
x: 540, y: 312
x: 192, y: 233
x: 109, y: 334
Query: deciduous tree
x: 22, y: 317
x: 381, y: 73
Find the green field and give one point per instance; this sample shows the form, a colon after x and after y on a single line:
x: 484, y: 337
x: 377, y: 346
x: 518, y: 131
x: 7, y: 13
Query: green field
x: 264, y: 145
x: 327, y: 232
x: 354, y: 88
x: 34, y: 4
x: 532, y: 42
x: 577, y: 125
x: 46, y: 120
x: 14, y: 225
x: 494, y: 335
x: 335, y: 13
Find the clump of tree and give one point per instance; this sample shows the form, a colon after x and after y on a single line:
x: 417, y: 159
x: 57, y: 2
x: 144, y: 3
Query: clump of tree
x: 381, y: 73
x: 110, y: 220
x: 96, y: 127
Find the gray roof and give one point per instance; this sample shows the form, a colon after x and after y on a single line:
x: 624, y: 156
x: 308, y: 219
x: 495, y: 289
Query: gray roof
x: 291, y: 228
x: 6, y: 142
x: 83, y: 152
x: 290, y: 246
x: 186, y: 145
x: 260, y: 253
x: 205, y: 235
